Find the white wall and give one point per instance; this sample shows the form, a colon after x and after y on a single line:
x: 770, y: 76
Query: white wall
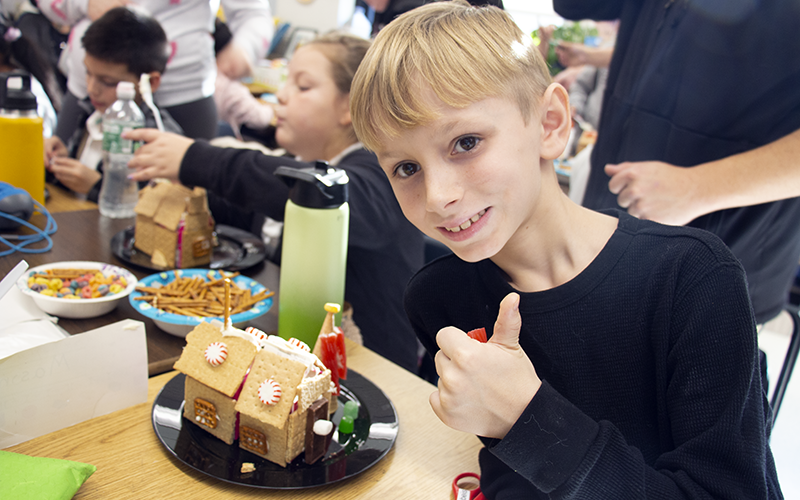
x: 531, y: 14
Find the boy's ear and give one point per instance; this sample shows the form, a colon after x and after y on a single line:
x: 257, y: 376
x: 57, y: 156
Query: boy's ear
x: 556, y: 122
x: 155, y: 80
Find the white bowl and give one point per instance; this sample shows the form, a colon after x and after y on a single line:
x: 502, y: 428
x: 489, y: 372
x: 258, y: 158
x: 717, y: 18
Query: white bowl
x: 78, y: 308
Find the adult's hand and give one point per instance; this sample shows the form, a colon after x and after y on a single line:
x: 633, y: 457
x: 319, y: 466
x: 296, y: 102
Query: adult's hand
x: 96, y: 8
x: 656, y: 191
x: 232, y: 62
x: 160, y: 156
x: 484, y: 387
x: 75, y: 175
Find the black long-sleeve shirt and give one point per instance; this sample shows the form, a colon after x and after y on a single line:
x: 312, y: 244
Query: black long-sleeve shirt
x: 649, y: 362
x: 384, y: 249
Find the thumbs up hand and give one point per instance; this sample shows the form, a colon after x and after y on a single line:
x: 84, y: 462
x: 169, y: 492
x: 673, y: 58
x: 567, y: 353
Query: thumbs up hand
x: 484, y: 388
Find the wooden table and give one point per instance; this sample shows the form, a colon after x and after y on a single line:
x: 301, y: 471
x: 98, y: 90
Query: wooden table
x: 86, y: 235
x: 132, y: 463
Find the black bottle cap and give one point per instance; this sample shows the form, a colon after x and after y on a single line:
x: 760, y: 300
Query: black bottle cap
x: 320, y: 186
x: 15, y: 91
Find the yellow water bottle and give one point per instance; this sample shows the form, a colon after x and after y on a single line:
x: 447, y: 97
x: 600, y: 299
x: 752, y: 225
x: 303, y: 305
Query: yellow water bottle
x: 314, y: 248
x: 21, y: 141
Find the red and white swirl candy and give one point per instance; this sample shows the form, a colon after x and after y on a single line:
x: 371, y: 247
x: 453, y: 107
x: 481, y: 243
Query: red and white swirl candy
x: 216, y: 353
x: 299, y: 344
x: 269, y: 392
x: 258, y: 334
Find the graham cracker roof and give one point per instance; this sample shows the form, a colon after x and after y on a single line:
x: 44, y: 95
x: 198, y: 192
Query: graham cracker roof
x: 226, y: 377
x: 166, y: 203
x: 271, y: 365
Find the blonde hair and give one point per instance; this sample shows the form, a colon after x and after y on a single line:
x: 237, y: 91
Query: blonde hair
x: 464, y: 54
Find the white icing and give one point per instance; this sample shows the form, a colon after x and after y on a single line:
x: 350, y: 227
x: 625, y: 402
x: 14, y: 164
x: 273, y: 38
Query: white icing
x: 281, y: 347
x: 230, y: 331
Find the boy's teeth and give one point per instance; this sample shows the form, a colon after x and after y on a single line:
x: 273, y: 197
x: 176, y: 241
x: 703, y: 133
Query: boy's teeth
x: 468, y: 223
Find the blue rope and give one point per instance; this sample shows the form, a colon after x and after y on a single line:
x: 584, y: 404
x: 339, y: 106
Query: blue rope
x: 24, y: 240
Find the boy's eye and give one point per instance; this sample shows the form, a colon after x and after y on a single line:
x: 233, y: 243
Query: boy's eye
x: 405, y: 170
x: 466, y: 144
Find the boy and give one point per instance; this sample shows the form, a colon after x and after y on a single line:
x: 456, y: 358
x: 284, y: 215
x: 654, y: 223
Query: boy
x: 623, y: 358
x: 120, y: 46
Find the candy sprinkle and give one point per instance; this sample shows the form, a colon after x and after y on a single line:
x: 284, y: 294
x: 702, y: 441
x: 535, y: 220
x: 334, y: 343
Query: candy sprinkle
x: 75, y: 283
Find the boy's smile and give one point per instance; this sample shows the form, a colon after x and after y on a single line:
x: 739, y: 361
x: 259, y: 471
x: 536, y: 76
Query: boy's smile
x: 470, y: 178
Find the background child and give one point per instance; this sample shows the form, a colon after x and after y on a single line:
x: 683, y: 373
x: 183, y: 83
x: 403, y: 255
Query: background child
x: 313, y: 122
x: 622, y: 359
x: 120, y: 46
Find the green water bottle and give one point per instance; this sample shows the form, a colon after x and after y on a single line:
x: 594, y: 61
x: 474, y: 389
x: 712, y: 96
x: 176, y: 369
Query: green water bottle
x: 314, y: 249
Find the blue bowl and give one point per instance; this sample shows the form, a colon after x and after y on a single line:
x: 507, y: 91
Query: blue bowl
x: 180, y: 325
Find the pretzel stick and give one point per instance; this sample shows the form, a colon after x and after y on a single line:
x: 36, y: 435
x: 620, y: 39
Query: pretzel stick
x: 227, y: 301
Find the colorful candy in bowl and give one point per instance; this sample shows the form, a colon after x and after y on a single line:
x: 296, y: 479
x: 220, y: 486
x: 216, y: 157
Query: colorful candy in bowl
x: 77, y: 289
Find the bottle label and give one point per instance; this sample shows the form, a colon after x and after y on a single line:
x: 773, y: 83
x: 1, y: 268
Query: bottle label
x: 114, y: 143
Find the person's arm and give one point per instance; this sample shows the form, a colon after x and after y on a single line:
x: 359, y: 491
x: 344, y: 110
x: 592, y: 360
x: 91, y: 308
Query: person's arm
x: 577, y: 54
x: 253, y: 27
x: 244, y: 177
x: 678, y: 195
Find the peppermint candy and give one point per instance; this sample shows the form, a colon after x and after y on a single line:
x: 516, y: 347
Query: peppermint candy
x: 269, y: 392
x: 216, y: 353
x: 299, y: 344
x: 258, y: 334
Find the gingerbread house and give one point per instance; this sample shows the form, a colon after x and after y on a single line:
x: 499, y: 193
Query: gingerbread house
x: 269, y: 398
x: 174, y: 226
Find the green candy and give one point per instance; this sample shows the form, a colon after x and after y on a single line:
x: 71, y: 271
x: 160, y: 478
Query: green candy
x: 351, y: 410
x: 346, y: 425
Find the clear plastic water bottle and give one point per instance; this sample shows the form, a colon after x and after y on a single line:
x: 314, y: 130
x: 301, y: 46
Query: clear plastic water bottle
x: 118, y: 194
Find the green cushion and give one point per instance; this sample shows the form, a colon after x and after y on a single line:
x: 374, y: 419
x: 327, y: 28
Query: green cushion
x: 27, y: 477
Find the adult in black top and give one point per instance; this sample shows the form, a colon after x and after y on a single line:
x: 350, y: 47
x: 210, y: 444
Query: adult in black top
x: 692, y: 82
x: 649, y: 369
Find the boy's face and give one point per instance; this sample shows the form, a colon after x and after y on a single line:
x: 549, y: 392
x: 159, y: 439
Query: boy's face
x: 471, y: 178
x: 102, y: 78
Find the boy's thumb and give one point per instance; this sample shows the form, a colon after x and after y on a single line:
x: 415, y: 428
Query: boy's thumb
x: 508, y: 324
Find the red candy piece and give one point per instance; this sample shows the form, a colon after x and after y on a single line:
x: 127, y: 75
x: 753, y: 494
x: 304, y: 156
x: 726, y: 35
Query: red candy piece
x: 341, y: 353
x: 333, y: 355
x: 478, y: 334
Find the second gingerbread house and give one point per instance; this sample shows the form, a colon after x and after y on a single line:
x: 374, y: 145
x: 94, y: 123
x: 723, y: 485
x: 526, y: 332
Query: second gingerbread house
x: 174, y: 226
